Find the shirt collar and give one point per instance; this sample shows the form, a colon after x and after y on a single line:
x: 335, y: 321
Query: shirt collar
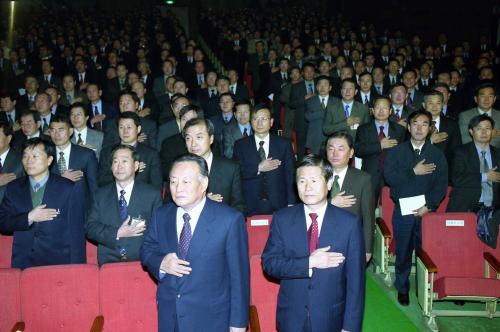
x: 66, y: 150
x: 41, y: 183
x: 3, y: 156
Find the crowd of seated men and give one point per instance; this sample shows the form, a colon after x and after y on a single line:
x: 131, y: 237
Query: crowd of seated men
x: 108, y: 103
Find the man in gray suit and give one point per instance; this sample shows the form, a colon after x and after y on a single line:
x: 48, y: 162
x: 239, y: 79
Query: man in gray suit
x: 237, y: 129
x: 485, y: 97
x: 11, y: 167
x: 352, y: 188
x: 347, y: 114
x: 83, y: 135
x: 316, y: 107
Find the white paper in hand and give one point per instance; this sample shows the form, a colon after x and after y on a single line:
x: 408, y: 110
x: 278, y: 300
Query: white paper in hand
x: 410, y: 204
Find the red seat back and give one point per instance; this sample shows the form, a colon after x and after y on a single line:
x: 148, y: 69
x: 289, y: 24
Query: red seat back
x: 387, y: 210
x: 444, y: 203
x: 263, y: 294
x: 6, y: 250
x: 10, y: 298
x: 60, y: 297
x: 451, y: 242
x: 128, y: 298
x: 91, y: 253
x: 258, y: 232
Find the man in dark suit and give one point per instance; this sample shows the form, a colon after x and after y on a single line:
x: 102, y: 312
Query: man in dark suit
x: 72, y: 161
x: 276, y: 82
x: 27, y: 101
x: 267, y: 166
x: 414, y: 97
x: 100, y: 112
x: 240, y: 128
x: 317, y: 251
x: 374, y: 139
x: 413, y: 168
x: 474, y: 176
x: 121, y: 210
x: 379, y: 82
x: 400, y: 111
x: 30, y: 128
x: 224, y: 183
x: 55, y: 96
x: 445, y: 133
x: 238, y: 90
x: 83, y: 135
x: 299, y: 94
x: 8, y: 113
x: 347, y: 114
x: 44, y: 211
x: 129, y: 129
x: 10, y: 159
x: 367, y: 93
x: 172, y: 126
x: 224, y: 117
x: 351, y: 188
x: 197, y: 250
x: 129, y: 102
x: 425, y: 81
x: 392, y: 77
x: 48, y: 78
x: 70, y: 93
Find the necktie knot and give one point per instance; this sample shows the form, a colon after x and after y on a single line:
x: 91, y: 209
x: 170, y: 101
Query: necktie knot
x: 313, y: 232
x: 185, y: 237
x: 417, y: 152
x: 186, y: 217
x: 313, y: 216
x: 381, y: 129
x: 261, y: 143
x: 36, y: 187
x: 245, y: 132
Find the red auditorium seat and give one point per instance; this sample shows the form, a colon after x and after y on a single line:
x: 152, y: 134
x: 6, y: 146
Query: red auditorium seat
x: 91, y: 250
x: 10, y: 298
x: 263, y: 298
x: 128, y: 298
x: 444, y: 203
x: 61, y: 298
x: 5, y: 250
x: 451, y: 266
x: 258, y: 232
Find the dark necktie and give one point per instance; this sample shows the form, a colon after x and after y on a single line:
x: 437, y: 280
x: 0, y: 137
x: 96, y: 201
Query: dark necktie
x: 313, y: 233
x: 11, y: 121
x: 417, y: 153
x: 433, y: 128
x: 409, y: 101
x: 185, y: 237
x: 245, y: 132
x: 123, y: 205
x: 323, y: 104
x: 262, y: 153
x: 486, y: 187
x: 381, y: 136
x: 398, y: 116
x: 335, y: 186
x: 97, y: 125
x: 79, y: 141
x: 1, y: 165
x: 45, y: 126
x: 366, y: 99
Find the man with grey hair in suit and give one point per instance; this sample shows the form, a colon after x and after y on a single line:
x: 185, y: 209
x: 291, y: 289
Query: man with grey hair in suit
x: 83, y: 135
x: 237, y: 129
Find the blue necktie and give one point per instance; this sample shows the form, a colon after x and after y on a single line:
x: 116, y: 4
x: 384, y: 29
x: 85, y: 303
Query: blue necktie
x: 185, y: 237
x: 123, y: 205
x: 347, y: 111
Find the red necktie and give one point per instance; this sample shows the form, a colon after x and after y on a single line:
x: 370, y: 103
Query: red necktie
x: 313, y: 233
x: 381, y: 136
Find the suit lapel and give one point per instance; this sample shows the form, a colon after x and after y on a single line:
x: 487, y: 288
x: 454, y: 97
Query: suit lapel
x: 273, y: 150
x: 475, y: 158
x: 327, y: 232
x: 346, y: 184
x: 299, y: 226
x: 8, y: 163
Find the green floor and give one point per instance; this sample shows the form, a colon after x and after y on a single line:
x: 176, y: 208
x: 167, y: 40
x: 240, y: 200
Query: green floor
x: 383, y: 313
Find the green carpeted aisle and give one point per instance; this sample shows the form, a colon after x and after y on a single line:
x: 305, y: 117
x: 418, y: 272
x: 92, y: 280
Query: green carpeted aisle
x: 381, y: 313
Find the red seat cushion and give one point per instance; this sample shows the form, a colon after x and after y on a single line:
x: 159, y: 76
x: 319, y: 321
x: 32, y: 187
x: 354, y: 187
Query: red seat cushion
x: 263, y: 294
x: 258, y: 232
x: 6, y: 250
x: 451, y: 286
x: 10, y: 298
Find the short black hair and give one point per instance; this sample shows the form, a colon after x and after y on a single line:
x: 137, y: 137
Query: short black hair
x: 418, y: 113
x: 323, y: 78
x: 61, y: 118
x: 259, y: 107
x: 48, y: 146
x: 32, y: 113
x: 7, y: 130
x: 342, y: 134
x: 129, y: 115
x: 80, y: 105
x: 243, y: 102
x: 432, y: 93
x: 200, y: 161
x: 132, y: 94
x: 315, y: 160
x: 188, y: 108
x: 484, y: 85
x: 197, y: 121
x: 133, y: 150
x: 480, y: 118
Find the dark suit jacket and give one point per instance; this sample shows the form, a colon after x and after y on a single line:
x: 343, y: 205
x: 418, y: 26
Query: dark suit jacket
x: 11, y: 164
x: 59, y: 241
x: 148, y: 127
x: 454, y: 140
x: 224, y: 179
x: 210, y: 105
x: 216, y: 294
x: 241, y: 92
x: 280, y: 182
x: 108, y: 110
x: 399, y: 174
x: 368, y: 148
x: 104, y: 220
x: 151, y: 174
x: 166, y: 130
x: 335, y: 296
x: 219, y: 125
x: 82, y: 159
x: 171, y: 148
x: 358, y: 184
x: 466, y: 179
x: 54, y: 81
x: 404, y: 114
x: 371, y: 99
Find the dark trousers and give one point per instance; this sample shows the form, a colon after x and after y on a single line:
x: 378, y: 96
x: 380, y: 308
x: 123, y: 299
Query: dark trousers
x: 408, y: 236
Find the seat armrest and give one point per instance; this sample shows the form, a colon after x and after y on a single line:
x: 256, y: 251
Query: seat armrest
x: 254, y: 319
x: 98, y: 324
x: 383, y: 228
x: 492, y: 261
x: 19, y: 326
x: 429, y: 264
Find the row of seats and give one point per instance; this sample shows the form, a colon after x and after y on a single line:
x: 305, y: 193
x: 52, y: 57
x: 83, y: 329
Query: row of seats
x: 79, y: 297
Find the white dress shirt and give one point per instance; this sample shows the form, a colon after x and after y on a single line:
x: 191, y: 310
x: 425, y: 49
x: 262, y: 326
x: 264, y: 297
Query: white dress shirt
x: 341, y: 175
x: 194, y: 214
x: 265, y: 146
x: 128, y: 191
x: 83, y: 135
